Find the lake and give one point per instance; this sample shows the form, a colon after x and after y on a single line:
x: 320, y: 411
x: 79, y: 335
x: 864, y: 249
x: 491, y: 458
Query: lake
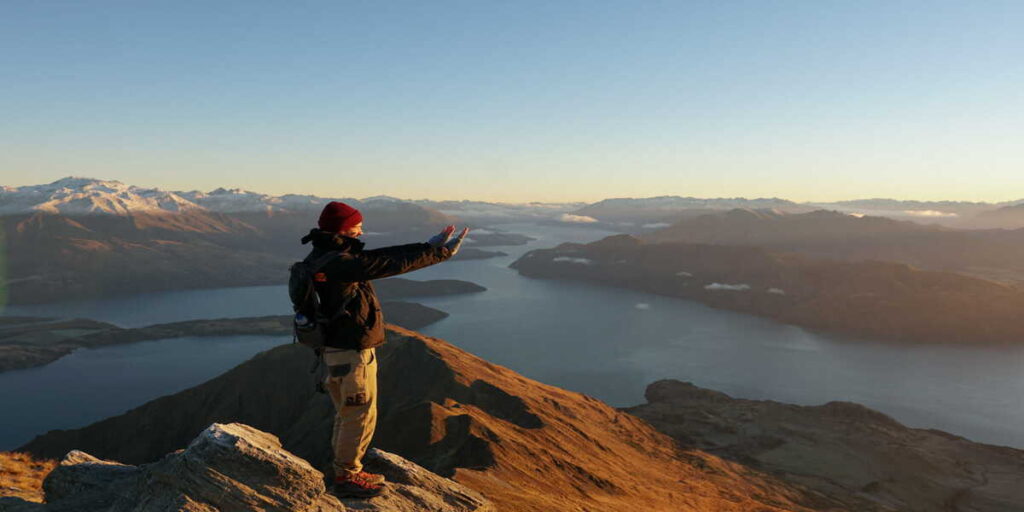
x: 92, y: 384
x: 605, y: 342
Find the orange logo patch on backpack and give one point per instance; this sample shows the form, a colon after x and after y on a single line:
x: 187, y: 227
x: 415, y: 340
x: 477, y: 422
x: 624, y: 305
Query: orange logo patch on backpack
x: 320, y: 277
x: 357, y: 399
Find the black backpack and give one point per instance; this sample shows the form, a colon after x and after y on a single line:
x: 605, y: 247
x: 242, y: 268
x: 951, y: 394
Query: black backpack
x: 310, y: 320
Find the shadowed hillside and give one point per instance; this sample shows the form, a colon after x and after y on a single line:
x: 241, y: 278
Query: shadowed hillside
x: 841, y: 448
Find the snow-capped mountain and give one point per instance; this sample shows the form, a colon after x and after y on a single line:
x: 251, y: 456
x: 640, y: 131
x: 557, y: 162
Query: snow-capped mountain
x: 89, y: 196
x: 649, y: 212
x: 78, y: 196
x: 961, y: 214
x: 481, y: 211
x: 384, y: 199
x: 673, y: 203
x: 237, y: 200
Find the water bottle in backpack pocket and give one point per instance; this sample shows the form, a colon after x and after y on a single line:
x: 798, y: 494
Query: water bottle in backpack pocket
x: 308, y: 331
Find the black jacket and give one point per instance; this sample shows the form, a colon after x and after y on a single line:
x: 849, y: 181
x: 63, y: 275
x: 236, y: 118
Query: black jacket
x: 345, y: 280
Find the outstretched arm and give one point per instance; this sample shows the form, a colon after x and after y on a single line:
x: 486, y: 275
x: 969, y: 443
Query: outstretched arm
x: 397, y: 259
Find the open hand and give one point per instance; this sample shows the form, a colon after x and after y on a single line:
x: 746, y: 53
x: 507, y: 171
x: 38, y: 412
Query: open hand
x: 441, y: 238
x: 454, y: 244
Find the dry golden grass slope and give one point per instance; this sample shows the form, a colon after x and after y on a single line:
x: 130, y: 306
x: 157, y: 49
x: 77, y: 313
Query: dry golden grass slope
x: 22, y: 476
x: 552, y: 449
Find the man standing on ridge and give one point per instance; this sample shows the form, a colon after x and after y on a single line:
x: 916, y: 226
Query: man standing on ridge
x: 343, y: 285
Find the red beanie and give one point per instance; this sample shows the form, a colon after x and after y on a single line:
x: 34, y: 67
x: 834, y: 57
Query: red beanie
x: 338, y: 217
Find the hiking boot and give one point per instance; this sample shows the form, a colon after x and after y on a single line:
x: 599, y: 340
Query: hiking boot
x: 355, y: 486
x: 373, y: 478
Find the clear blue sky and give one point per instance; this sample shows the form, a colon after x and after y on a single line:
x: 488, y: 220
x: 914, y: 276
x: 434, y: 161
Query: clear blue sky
x: 516, y: 101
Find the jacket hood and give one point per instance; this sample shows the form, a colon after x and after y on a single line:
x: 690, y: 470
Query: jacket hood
x: 332, y: 241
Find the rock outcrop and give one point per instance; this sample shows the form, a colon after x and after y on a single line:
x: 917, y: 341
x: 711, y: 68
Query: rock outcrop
x: 844, y: 450
x: 238, y: 468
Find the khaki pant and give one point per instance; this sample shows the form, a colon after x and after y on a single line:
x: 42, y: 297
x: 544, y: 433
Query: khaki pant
x: 352, y: 383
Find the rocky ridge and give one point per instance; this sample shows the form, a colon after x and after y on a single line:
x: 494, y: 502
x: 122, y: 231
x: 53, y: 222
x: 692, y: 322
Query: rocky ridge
x: 238, y: 468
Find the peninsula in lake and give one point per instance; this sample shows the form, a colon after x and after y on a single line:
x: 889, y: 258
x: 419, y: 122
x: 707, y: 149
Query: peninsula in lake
x: 870, y: 299
x: 26, y: 342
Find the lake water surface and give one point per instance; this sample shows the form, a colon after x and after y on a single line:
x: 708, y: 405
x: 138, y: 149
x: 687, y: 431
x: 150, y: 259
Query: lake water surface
x: 92, y: 384
x: 605, y: 342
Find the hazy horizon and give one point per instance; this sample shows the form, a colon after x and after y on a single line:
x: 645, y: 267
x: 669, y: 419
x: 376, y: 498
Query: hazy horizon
x: 525, y: 201
x: 530, y: 101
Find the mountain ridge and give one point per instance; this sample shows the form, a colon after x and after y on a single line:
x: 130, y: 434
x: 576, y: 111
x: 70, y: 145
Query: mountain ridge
x: 528, y: 446
x: 524, y: 445
x: 78, y: 195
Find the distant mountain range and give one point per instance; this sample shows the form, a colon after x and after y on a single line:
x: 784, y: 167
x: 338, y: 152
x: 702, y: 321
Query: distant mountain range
x: 644, y: 214
x: 80, y: 196
x: 991, y: 254
x: 487, y: 213
x: 88, y: 196
x: 654, y: 210
x: 960, y: 214
x: 1010, y: 216
x: 82, y: 237
x: 85, y: 238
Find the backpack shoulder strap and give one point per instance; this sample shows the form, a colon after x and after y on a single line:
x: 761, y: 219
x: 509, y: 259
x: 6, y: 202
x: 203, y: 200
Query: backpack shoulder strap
x: 323, y: 260
x: 315, y: 266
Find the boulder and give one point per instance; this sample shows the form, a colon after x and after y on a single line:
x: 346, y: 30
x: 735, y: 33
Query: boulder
x: 14, y: 504
x: 413, y: 488
x: 87, y: 482
x: 236, y: 467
